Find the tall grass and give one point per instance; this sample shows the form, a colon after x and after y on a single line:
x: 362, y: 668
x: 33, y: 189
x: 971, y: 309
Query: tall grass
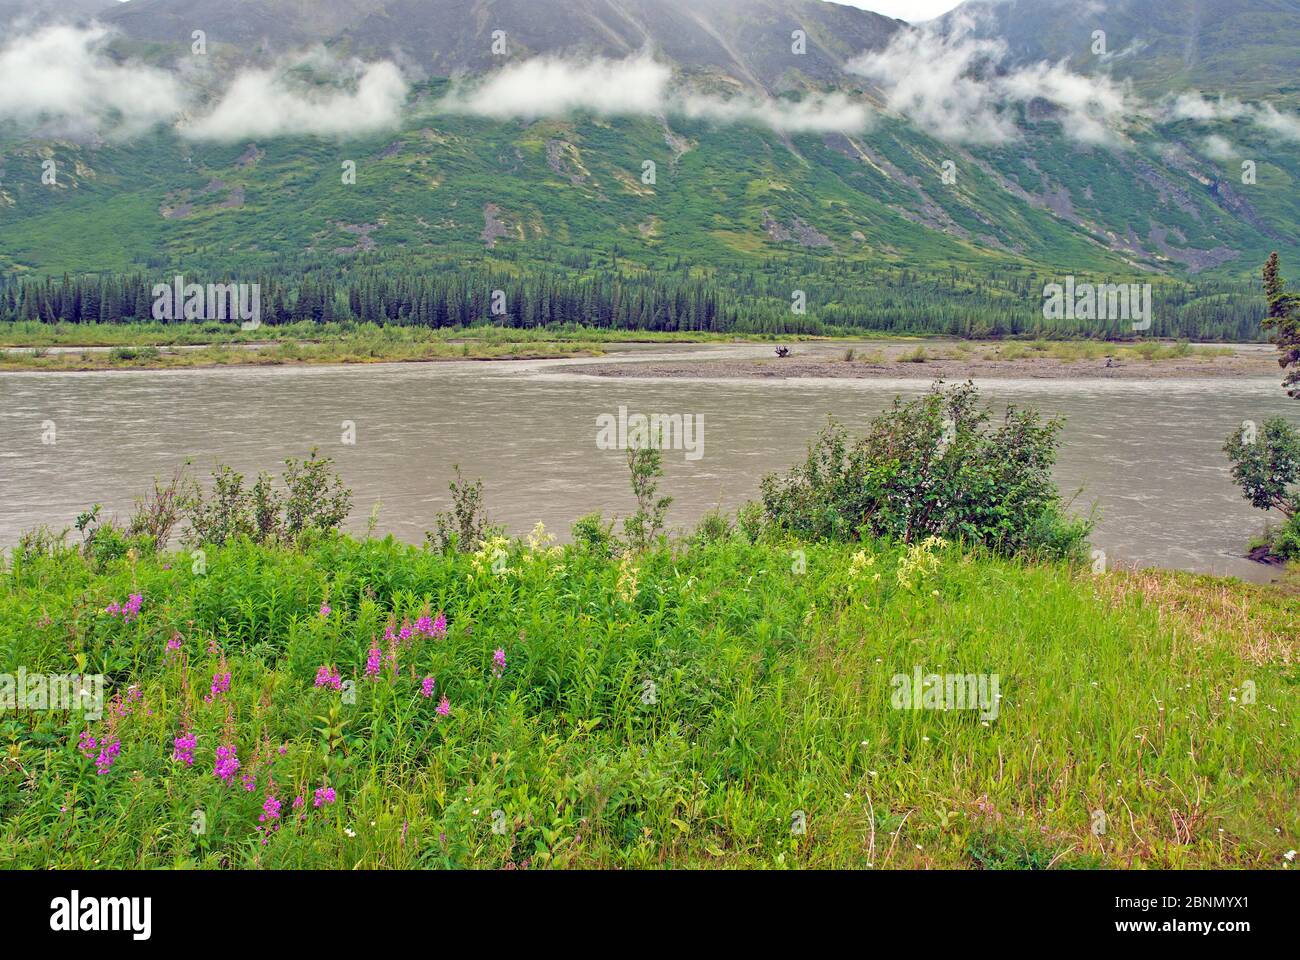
x: 682, y: 709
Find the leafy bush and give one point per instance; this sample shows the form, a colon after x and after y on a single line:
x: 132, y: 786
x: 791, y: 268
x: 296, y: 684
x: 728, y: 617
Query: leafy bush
x: 1286, y: 540
x: 645, y: 463
x: 466, y: 525
x: 592, y: 533
x: 156, y: 514
x: 1266, y: 465
x: 935, y: 466
x: 713, y: 526
x: 316, y: 501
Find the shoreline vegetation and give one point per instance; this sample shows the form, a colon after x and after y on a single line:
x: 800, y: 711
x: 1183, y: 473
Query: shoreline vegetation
x: 861, y: 671
x: 961, y: 360
x: 41, y: 347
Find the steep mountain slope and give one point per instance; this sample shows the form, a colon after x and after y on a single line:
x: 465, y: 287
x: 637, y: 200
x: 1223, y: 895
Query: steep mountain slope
x: 13, y: 11
x: 1241, y: 47
x: 746, y: 41
x: 863, y: 208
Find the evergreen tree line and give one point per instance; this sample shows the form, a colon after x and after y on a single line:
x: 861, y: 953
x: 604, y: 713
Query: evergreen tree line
x: 775, y: 297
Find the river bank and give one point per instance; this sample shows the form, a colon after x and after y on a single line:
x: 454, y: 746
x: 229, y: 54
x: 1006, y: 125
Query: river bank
x: 955, y: 361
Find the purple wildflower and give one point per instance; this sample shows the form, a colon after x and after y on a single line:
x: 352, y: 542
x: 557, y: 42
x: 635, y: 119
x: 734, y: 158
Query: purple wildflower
x: 227, y: 763
x: 325, y: 610
x: 108, y: 752
x: 183, y: 748
x: 444, y: 707
x: 499, y: 662
x: 426, y: 687
x: 129, y: 610
x: 373, y: 662
x: 324, y: 795
x: 329, y: 677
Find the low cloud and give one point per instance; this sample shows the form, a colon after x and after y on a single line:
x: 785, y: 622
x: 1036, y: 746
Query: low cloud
x: 275, y: 103
x: 637, y: 86
x: 551, y: 86
x: 955, y: 87
x: 1195, y: 106
x: 64, y: 81
x: 815, y: 113
x: 1218, y: 148
x: 60, y: 80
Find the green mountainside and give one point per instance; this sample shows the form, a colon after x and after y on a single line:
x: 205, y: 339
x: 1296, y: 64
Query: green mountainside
x: 841, y: 214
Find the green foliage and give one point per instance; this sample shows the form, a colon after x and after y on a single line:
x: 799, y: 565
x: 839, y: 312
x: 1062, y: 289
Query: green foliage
x: 934, y: 466
x: 591, y: 532
x: 590, y: 246
x: 712, y: 527
x: 315, y: 501
x: 466, y: 525
x: 679, y: 728
x: 1266, y: 466
x: 1284, y: 320
x: 645, y: 464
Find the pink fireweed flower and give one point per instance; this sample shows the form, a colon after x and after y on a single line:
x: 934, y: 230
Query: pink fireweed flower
x: 440, y: 626
x: 227, y: 763
x: 426, y: 687
x: 499, y: 662
x: 127, y: 611
x: 220, y: 682
x: 249, y: 781
x: 269, y: 818
x: 325, y: 610
x: 174, y: 643
x: 183, y: 748
x: 108, y: 752
x: 329, y: 677
x: 405, y: 633
x: 123, y: 705
x: 323, y: 796
x: 373, y: 663
x: 86, y: 744
x: 298, y: 801
x: 444, y: 707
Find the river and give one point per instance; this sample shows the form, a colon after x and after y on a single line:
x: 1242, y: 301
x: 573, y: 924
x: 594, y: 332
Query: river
x: 1145, y: 454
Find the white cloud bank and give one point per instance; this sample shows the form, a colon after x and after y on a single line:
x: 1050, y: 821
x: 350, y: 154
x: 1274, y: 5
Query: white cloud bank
x: 268, y: 103
x: 552, y: 86
x: 955, y: 87
x: 61, y: 79
x: 638, y: 86
x: 1194, y: 106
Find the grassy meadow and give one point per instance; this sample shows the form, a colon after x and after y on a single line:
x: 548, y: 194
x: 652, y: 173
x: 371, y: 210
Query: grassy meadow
x: 712, y: 703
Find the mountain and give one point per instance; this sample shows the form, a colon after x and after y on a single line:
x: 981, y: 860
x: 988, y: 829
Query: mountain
x: 858, y: 218
x: 746, y: 41
x: 43, y: 11
x: 1248, y: 48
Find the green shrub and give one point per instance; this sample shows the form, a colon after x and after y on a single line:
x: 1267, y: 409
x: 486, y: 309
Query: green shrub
x: 466, y: 525
x: 933, y: 466
x: 713, y: 526
x: 316, y: 501
x: 594, y: 534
